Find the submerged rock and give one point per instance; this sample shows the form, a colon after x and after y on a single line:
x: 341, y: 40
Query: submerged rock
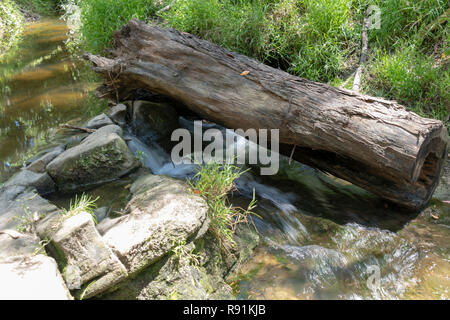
x: 88, y: 263
x: 102, y: 157
x: 153, y: 121
x: 32, y: 277
x: 161, y: 212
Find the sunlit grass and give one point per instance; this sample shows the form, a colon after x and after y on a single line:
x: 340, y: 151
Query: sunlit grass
x: 214, y: 182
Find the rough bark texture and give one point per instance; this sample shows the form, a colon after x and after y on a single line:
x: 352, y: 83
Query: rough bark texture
x: 371, y: 142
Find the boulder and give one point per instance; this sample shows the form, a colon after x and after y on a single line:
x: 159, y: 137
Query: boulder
x: 88, y: 264
x: 13, y: 244
x: 161, y: 212
x: 102, y: 157
x: 175, y: 279
x: 31, y: 278
x: 118, y: 114
x: 26, y: 178
x: 153, y: 121
x: 98, y: 122
x: 38, y: 165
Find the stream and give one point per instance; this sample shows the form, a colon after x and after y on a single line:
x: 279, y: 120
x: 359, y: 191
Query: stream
x: 322, y: 237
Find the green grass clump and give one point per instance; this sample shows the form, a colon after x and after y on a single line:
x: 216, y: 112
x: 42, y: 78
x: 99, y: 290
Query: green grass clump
x: 81, y: 204
x: 411, y: 78
x: 214, y: 182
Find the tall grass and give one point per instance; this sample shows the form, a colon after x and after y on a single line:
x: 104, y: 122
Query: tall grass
x: 100, y: 18
x: 315, y: 39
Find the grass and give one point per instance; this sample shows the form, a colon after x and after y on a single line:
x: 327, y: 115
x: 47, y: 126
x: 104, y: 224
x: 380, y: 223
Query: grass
x: 81, y: 204
x: 214, y: 182
x: 100, y: 18
x: 315, y: 39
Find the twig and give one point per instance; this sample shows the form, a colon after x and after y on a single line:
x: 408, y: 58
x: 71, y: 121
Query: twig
x: 363, y: 58
x: 68, y: 126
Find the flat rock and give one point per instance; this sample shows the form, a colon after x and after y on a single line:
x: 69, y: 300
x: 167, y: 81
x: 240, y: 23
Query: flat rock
x: 26, y: 178
x: 161, y: 212
x: 102, y: 157
x: 13, y: 244
x: 19, y: 203
x: 32, y: 278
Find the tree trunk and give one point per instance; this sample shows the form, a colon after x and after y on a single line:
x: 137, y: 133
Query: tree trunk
x: 373, y: 143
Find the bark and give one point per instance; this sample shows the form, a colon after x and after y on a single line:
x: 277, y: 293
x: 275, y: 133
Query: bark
x: 371, y: 142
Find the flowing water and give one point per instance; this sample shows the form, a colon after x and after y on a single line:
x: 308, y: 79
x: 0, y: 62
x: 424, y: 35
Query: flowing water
x: 322, y: 237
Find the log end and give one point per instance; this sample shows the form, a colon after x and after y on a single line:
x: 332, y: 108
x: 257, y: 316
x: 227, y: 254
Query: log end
x: 429, y: 165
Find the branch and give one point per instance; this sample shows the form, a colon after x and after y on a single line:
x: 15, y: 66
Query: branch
x: 363, y: 58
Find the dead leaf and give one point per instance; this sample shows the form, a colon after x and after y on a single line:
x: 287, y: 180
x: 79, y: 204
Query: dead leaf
x: 434, y: 217
x: 244, y: 73
x: 127, y: 186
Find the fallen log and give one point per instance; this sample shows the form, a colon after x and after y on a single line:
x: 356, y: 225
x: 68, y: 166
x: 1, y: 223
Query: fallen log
x: 371, y: 142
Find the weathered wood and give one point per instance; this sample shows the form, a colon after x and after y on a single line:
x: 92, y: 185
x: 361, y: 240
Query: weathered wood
x: 371, y: 142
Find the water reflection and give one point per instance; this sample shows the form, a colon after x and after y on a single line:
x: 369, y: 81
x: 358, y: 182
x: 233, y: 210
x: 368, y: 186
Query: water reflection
x: 42, y: 86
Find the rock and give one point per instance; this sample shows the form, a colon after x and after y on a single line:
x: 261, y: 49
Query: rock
x: 31, y: 277
x: 41, y: 181
x: 101, y: 214
x: 153, y: 121
x: 102, y: 157
x: 118, y: 114
x: 23, y: 204
x: 38, y: 165
x: 88, y: 263
x: 162, y: 211
x: 20, y: 245
x: 170, y: 278
x: 75, y: 140
x: 98, y: 122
